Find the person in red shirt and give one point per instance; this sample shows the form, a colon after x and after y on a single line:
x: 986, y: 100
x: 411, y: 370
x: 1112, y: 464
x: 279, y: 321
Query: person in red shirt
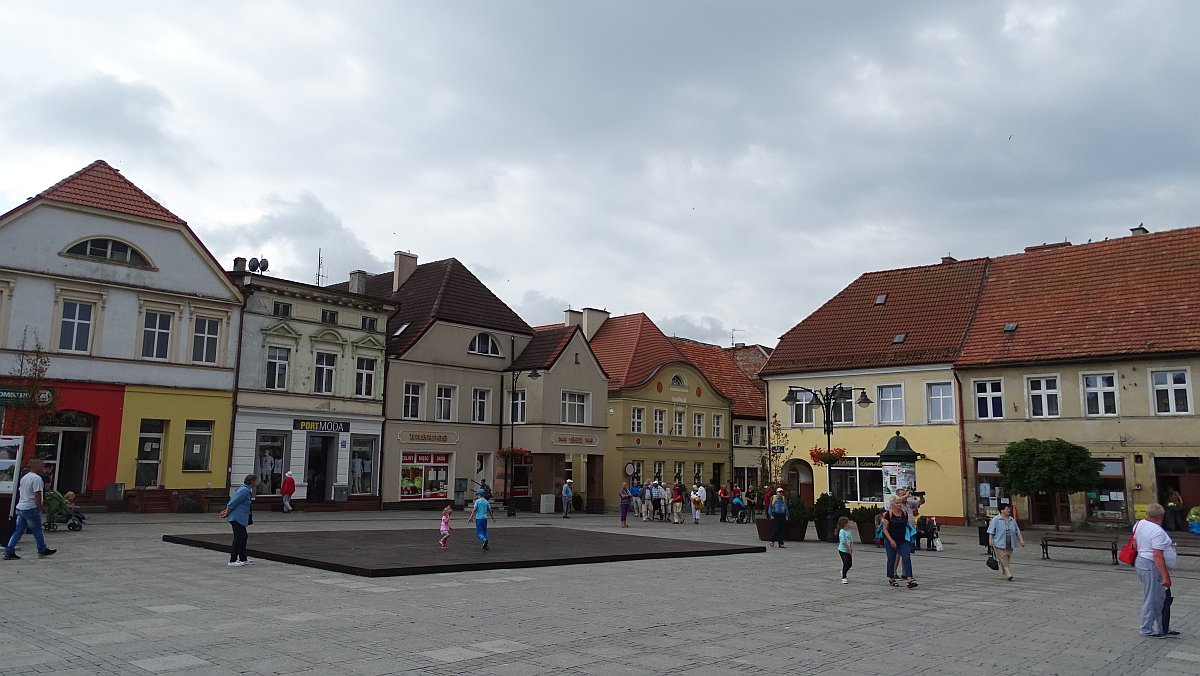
x: 287, y: 489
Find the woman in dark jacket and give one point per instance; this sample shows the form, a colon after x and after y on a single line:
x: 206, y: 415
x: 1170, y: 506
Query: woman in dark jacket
x: 897, y: 542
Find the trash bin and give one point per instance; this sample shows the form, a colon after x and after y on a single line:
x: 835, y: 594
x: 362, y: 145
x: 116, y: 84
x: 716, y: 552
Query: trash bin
x: 341, y: 493
x: 114, y: 492
x: 547, y: 503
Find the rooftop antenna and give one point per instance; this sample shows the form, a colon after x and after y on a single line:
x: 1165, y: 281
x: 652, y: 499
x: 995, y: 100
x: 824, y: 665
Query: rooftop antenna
x: 258, y: 265
x: 733, y: 337
x: 320, y: 268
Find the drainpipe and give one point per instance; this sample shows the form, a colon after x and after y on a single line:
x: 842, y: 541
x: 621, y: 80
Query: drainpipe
x: 962, y: 447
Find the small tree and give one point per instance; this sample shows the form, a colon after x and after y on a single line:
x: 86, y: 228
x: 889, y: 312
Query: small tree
x: 27, y: 414
x: 771, y: 460
x: 1033, y: 466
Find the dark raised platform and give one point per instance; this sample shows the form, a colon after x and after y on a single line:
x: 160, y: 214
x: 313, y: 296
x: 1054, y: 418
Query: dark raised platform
x: 387, y: 553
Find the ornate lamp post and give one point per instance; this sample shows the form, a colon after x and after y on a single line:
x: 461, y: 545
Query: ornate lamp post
x: 826, y: 399
x: 512, y: 437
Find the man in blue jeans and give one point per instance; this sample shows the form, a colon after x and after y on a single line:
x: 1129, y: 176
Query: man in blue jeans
x: 481, y: 509
x: 29, y: 512
x: 567, y: 496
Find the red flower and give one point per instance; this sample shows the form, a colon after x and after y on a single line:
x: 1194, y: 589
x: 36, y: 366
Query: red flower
x: 822, y: 457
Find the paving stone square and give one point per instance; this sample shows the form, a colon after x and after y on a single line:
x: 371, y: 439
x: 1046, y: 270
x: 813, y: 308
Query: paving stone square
x: 119, y: 600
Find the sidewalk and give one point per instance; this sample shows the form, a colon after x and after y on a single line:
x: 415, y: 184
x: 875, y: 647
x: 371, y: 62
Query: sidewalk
x: 118, y: 600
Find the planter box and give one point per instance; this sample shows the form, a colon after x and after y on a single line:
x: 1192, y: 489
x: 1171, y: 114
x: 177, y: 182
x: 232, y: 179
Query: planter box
x: 765, y: 528
x: 866, y: 532
x: 796, y: 531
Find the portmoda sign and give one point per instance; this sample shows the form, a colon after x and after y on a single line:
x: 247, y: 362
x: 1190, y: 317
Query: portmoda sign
x: 303, y: 425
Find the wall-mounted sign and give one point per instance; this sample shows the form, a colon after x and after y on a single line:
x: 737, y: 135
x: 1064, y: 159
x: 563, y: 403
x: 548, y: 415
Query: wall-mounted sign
x: 575, y: 439
x: 25, y: 395
x: 419, y: 437
x: 425, y: 458
x: 320, y: 425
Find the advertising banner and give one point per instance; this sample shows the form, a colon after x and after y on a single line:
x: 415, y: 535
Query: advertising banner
x: 898, y: 475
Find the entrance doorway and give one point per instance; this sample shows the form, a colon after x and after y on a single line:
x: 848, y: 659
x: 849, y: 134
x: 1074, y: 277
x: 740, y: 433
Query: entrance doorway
x: 149, y: 453
x: 1044, y: 504
x: 320, y: 466
x: 1182, y: 474
x: 799, y: 476
x: 64, y: 444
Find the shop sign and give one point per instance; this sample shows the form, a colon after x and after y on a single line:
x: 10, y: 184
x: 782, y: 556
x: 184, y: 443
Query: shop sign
x: 418, y: 437
x: 425, y: 458
x: 520, y: 491
x: 576, y: 439
x: 24, y: 395
x: 303, y: 425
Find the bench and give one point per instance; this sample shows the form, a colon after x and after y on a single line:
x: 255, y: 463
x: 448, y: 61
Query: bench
x: 1106, y: 543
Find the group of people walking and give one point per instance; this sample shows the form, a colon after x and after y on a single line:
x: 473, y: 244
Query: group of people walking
x: 657, y: 501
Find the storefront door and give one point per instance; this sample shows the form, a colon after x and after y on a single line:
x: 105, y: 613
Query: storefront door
x: 149, y: 453
x: 320, y: 466
x: 1044, y: 505
x: 64, y: 448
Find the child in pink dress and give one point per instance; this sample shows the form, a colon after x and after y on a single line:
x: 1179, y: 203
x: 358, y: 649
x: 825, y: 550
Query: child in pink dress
x: 445, y: 527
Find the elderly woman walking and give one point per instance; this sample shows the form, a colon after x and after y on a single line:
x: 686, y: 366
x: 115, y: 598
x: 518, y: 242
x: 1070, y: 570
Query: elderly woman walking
x: 897, y: 542
x: 1003, y: 534
x: 625, y: 496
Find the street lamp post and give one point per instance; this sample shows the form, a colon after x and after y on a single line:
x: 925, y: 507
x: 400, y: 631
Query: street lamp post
x: 512, y: 437
x: 826, y: 399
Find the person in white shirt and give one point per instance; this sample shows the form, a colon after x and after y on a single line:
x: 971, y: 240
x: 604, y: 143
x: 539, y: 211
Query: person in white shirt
x: 29, y: 512
x: 1155, y: 557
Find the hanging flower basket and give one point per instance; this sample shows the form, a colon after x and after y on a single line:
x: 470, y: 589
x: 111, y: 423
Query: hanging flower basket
x: 515, y: 452
x: 822, y: 457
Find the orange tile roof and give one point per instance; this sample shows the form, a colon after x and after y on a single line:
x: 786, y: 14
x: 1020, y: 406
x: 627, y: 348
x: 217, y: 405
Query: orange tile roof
x: 99, y: 186
x: 1121, y: 297
x: 631, y: 349
x: 931, y: 305
x: 718, y: 366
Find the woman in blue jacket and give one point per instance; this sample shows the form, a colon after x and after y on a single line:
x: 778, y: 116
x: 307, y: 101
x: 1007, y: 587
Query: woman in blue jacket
x: 237, y: 513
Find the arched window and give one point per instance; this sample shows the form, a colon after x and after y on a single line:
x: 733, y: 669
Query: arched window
x: 677, y: 381
x: 110, y: 250
x: 484, y: 343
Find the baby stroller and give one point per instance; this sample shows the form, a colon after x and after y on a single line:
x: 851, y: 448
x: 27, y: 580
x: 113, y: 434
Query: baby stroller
x: 58, y: 510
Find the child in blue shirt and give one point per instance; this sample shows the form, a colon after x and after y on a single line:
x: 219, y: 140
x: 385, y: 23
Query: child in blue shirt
x: 845, y: 545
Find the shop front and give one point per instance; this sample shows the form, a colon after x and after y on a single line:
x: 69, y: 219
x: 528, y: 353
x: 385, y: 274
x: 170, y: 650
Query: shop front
x: 424, y: 475
x: 328, y: 457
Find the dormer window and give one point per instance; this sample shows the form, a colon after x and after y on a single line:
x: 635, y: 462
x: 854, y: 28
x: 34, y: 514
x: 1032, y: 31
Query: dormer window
x: 110, y: 250
x: 677, y: 381
x: 485, y: 344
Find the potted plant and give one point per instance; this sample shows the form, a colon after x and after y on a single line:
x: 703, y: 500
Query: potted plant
x: 826, y: 512
x: 865, y: 518
x: 799, y: 514
x: 821, y: 457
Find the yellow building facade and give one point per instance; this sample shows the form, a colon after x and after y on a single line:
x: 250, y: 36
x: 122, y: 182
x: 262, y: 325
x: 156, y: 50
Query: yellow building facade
x: 175, y: 438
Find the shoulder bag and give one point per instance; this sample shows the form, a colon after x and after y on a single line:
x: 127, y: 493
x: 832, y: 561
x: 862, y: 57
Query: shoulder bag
x: 1128, y: 553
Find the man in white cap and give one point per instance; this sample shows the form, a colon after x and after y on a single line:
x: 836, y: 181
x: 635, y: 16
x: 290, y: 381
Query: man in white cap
x: 567, y: 494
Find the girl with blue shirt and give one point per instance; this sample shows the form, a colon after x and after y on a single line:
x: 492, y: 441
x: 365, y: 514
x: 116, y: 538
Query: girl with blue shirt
x: 845, y: 546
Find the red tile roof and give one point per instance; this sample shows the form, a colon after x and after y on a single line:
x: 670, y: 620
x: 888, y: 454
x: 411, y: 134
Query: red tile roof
x: 931, y: 305
x: 631, y: 349
x: 99, y: 186
x: 439, y: 291
x: 718, y: 366
x: 1121, y: 297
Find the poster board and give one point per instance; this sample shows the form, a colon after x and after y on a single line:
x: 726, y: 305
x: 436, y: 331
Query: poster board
x: 11, y: 449
x: 898, y: 475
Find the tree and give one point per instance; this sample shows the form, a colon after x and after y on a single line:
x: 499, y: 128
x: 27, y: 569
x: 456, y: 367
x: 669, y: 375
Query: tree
x: 1033, y: 466
x: 777, y: 452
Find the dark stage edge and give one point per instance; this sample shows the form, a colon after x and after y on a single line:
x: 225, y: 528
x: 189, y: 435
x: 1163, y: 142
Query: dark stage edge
x: 391, y: 553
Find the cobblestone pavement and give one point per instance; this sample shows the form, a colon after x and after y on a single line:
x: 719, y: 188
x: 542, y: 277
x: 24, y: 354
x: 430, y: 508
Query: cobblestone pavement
x: 118, y: 600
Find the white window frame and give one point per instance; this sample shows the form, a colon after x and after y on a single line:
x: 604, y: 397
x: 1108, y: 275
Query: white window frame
x: 660, y: 470
x: 281, y: 309
x: 579, y: 406
x: 929, y: 385
x: 989, y: 396
x: 481, y: 409
x: 210, y: 321
x: 75, y: 322
x: 518, y: 407
x: 156, y: 334
x: 280, y: 368
x: 637, y: 420
x: 447, y: 396
x: 1099, y: 391
x: 737, y: 434
x: 492, y: 349
x: 750, y: 435
x: 660, y: 421
x: 193, y: 435
x: 369, y: 323
x: 893, y: 401
x: 678, y: 382
x: 845, y: 416
x: 1170, y: 387
x: 412, y: 400
x: 698, y: 425
x: 718, y: 426
x: 677, y: 422
x: 330, y: 317
x: 1045, y: 394
x: 324, y: 375
x: 364, y: 378
x: 698, y: 473
x: 804, y: 403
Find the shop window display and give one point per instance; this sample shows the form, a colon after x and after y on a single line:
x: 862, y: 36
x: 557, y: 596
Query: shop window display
x: 362, y: 464
x: 269, y: 462
x: 1109, y: 502
x: 989, y: 490
x: 424, y: 476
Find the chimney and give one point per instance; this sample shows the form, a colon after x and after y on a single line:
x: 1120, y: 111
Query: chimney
x: 239, y: 264
x: 1139, y: 230
x: 358, y: 282
x: 572, y: 318
x: 949, y: 259
x: 592, y: 319
x: 406, y: 265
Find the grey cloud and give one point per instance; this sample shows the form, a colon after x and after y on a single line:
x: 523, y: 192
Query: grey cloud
x: 706, y: 329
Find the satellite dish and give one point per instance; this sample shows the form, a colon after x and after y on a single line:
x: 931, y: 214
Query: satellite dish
x: 262, y: 265
x: 252, y: 266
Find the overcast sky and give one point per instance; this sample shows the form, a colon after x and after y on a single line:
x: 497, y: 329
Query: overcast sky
x: 716, y: 165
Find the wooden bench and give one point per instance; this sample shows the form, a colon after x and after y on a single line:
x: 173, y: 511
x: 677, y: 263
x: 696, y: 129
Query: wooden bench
x: 1106, y: 543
